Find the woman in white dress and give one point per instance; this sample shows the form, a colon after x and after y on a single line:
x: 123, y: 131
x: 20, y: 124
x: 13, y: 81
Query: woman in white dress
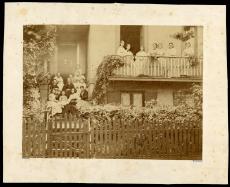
x: 129, y: 59
x: 188, y: 51
x: 76, y: 79
x: 121, y: 50
x: 162, y: 64
x: 160, y: 51
x: 171, y: 51
x: 53, y: 104
x: 59, y: 80
x: 153, y: 51
x: 74, y: 97
x: 141, y: 60
x: 63, y: 100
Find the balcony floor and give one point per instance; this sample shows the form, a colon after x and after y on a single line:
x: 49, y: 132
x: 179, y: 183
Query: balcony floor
x: 157, y: 79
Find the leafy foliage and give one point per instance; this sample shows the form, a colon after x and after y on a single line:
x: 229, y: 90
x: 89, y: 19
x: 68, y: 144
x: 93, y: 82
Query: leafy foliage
x: 181, y: 114
x: 197, y: 94
x: 38, y: 45
x: 193, y: 61
x: 184, y: 36
x: 105, y: 69
x: 160, y: 114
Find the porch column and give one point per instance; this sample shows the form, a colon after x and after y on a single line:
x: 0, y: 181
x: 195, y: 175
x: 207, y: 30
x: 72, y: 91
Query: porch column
x: 102, y: 41
x: 199, y: 41
x: 144, y: 37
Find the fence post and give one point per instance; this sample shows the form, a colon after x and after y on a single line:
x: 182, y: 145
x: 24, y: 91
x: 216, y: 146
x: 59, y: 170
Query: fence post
x: 24, y: 154
x: 49, y: 142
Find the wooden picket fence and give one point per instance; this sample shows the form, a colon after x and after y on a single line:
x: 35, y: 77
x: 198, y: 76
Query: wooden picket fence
x: 74, y: 137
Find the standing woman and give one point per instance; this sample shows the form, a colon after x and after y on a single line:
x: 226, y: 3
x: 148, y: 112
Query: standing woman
x: 129, y: 59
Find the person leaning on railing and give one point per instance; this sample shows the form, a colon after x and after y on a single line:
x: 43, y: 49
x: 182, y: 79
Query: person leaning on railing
x: 188, y: 51
x: 141, y: 59
x: 121, y: 50
x: 171, y: 51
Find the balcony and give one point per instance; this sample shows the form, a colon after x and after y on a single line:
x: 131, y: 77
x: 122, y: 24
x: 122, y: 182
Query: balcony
x: 160, y: 69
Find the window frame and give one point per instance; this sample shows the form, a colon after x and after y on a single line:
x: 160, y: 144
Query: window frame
x: 131, y: 92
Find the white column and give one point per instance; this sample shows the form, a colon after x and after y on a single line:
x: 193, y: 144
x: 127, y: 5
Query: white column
x: 200, y: 41
x: 144, y: 37
x: 102, y: 41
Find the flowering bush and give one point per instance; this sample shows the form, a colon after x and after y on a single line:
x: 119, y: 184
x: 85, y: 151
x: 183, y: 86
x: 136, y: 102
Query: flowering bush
x: 151, y: 104
x: 182, y: 114
x: 104, y: 70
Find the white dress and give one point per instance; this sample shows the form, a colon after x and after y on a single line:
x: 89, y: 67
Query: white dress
x: 54, y: 105
x: 171, y: 52
x: 188, y: 52
x: 74, y: 96
x: 60, y: 83
x: 121, y: 51
x: 63, y: 100
x: 141, y: 61
x: 129, y: 65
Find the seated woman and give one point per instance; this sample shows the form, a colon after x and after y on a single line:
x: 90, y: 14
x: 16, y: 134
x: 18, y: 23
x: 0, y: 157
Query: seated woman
x: 54, y: 85
x: 76, y: 78
x: 68, y: 87
x: 63, y: 100
x: 59, y: 80
x: 82, y: 83
x: 72, y: 101
x: 70, y: 77
x: 74, y: 96
x: 84, y: 93
x: 53, y: 104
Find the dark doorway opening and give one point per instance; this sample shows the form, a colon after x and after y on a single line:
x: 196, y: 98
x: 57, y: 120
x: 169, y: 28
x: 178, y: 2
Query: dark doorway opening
x: 131, y: 34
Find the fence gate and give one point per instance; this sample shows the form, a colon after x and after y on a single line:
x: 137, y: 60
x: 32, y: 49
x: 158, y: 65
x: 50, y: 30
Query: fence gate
x: 68, y: 137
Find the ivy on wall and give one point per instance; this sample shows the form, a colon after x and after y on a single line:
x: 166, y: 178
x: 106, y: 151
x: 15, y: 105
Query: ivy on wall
x: 104, y: 70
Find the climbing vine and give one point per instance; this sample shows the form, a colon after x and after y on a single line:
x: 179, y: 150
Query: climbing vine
x: 104, y: 70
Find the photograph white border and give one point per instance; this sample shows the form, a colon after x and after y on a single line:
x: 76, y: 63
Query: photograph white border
x: 213, y: 169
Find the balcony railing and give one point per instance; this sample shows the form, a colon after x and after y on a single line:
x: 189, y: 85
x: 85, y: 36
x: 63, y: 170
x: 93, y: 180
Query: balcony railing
x: 162, y: 67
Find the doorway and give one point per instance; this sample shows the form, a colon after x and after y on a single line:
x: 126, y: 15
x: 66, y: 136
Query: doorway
x: 67, y: 58
x: 131, y: 34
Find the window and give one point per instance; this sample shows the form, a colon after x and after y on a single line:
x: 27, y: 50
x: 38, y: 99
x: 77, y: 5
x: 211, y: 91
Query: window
x: 125, y: 99
x: 182, y: 97
x: 137, y: 99
x: 132, y: 98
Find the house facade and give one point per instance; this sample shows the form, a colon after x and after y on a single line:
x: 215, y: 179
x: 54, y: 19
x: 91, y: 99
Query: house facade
x: 85, y: 46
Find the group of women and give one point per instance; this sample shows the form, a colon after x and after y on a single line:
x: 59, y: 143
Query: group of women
x: 64, y: 95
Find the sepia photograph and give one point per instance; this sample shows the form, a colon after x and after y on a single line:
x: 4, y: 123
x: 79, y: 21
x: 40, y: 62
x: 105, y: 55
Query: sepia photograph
x: 114, y: 91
